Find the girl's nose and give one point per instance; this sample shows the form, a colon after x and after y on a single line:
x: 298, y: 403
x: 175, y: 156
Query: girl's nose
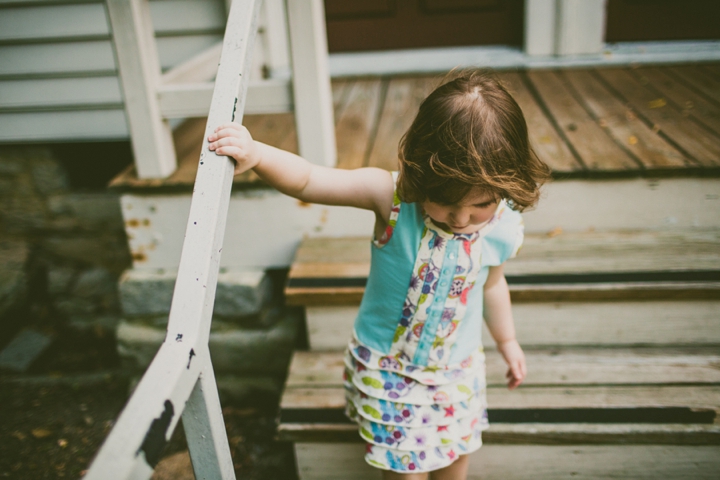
x: 461, y: 216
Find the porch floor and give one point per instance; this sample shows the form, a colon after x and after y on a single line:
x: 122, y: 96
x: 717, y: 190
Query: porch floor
x: 591, y: 122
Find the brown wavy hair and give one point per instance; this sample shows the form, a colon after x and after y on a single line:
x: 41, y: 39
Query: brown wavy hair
x: 469, y: 133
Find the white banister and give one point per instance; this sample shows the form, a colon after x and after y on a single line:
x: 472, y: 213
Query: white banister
x: 193, y: 99
x: 180, y: 379
x: 139, y: 69
x: 311, y: 81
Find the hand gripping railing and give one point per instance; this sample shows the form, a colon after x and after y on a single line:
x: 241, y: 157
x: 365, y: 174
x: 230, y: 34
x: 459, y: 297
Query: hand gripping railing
x: 180, y: 379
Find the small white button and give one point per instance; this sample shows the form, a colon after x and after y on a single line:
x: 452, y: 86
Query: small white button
x: 451, y: 256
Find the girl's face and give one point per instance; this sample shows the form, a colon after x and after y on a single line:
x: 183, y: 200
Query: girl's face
x: 467, y: 216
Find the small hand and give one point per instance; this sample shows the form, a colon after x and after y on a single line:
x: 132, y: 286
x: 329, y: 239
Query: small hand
x: 234, y: 140
x: 515, y: 359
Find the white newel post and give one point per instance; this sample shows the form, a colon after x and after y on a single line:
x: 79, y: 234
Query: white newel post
x: 540, y: 27
x: 139, y: 70
x: 311, y: 81
x: 564, y: 27
x: 580, y: 27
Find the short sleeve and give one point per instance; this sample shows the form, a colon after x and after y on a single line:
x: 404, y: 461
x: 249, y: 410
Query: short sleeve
x: 504, y: 241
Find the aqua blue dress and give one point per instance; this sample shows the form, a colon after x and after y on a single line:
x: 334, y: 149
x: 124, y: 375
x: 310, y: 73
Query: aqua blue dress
x: 415, y: 368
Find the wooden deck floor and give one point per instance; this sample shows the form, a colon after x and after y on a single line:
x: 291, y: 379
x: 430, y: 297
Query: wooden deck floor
x: 583, y: 122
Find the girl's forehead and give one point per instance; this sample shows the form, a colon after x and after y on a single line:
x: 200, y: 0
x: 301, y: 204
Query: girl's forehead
x: 477, y: 195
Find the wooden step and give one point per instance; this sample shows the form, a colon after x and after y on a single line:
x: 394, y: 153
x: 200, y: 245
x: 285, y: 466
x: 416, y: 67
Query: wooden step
x: 627, y: 323
x: 590, y: 266
x: 326, y: 461
x: 558, y: 366
x: 674, y: 393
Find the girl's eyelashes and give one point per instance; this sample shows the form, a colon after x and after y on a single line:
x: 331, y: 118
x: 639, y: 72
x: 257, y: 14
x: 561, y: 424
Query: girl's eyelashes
x: 485, y: 204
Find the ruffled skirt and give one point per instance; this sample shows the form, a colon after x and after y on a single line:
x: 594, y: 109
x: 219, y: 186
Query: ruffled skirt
x: 414, y: 418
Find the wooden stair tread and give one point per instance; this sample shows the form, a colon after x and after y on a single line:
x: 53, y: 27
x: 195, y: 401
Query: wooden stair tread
x: 545, y: 324
x: 559, y: 366
x: 542, y: 397
x: 540, y: 462
x: 569, y: 266
x: 565, y: 378
x: 535, y: 433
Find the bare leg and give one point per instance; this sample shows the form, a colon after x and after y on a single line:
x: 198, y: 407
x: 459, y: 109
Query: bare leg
x: 455, y: 471
x: 389, y: 475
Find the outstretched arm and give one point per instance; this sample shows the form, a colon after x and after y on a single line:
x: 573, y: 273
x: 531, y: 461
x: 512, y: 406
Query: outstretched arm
x: 498, y: 316
x: 367, y: 188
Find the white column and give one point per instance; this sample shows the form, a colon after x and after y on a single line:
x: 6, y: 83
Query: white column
x: 580, y: 27
x: 275, y: 38
x: 540, y: 27
x: 311, y: 81
x: 139, y: 70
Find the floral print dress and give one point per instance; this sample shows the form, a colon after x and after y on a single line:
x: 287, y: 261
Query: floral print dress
x: 416, y: 410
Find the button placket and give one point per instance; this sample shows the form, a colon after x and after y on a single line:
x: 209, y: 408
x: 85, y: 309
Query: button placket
x: 435, y: 312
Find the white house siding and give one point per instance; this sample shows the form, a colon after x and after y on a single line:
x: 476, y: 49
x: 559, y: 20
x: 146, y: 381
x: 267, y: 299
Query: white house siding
x: 58, y: 75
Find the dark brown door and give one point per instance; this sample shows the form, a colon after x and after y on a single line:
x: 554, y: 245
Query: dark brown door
x: 647, y: 20
x: 358, y: 25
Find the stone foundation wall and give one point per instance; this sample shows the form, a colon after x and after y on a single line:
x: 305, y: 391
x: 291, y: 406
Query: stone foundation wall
x: 70, y: 246
x: 65, y: 264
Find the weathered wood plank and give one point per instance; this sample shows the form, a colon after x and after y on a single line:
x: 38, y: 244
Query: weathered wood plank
x: 70, y: 58
x: 89, y: 58
x: 320, y: 461
x: 340, y: 90
x: 355, y: 125
x: 695, y: 143
x: 544, y: 138
x: 53, y: 22
x: 560, y: 366
x: 596, y: 292
x: 184, y: 17
x: 566, y: 323
x: 534, y: 433
x: 617, y: 252
x: 712, y: 70
x: 277, y: 130
x: 563, y: 253
x: 537, y: 397
x: 313, y: 276
x: 694, y: 77
x: 60, y: 94
x: 684, y: 99
x: 622, y: 124
x: 597, y: 150
x: 401, y: 104
x: 81, y: 125
x: 87, y: 20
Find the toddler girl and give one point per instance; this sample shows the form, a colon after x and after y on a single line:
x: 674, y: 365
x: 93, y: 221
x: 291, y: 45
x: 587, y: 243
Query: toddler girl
x: 444, y: 226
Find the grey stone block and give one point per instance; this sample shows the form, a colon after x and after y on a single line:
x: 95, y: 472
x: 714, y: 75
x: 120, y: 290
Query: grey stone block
x: 48, y: 175
x: 59, y: 279
x: 22, y: 351
x: 106, y: 249
x: 239, y: 292
x: 13, y: 277
x: 102, y: 325
x: 95, y: 282
x: 233, y: 350
x: 86, y: 210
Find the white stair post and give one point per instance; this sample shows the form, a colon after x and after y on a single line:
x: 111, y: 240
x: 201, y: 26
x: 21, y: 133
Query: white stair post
x: 139, y: 71
x: 311, y: 81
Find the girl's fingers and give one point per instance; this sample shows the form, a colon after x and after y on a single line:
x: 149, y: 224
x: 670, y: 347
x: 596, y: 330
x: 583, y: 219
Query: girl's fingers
x: 228, y: 130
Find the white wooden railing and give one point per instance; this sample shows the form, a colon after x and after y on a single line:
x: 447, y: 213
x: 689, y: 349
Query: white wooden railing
x: 180, y: 380
x: 152, y: 98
